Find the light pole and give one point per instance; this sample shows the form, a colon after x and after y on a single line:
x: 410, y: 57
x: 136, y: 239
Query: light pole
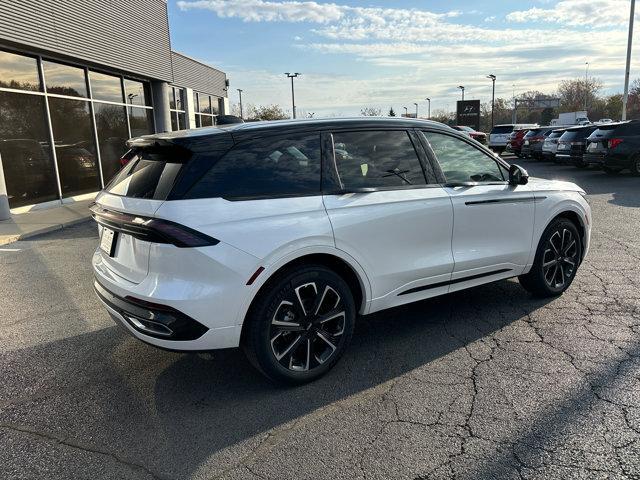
x: 429, y: 112
x: 586, y: 85
x: 493, y: 94
x: 416, y: 109
x: 240, y: 95
x: 461, y: 88
x: 626, y: 73
x: 406, y: 111
x: 293, y: 95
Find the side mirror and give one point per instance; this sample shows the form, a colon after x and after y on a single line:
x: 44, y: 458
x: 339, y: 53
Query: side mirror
x: 518, y: 175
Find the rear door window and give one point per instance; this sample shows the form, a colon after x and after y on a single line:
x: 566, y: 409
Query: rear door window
x: 269, y: 167
x: 377, y: 159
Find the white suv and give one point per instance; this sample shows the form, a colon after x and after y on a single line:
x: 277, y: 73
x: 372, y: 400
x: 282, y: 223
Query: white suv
x: 275, y: 236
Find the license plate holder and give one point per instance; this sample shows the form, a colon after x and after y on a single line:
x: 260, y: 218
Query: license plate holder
x: 108, y: 241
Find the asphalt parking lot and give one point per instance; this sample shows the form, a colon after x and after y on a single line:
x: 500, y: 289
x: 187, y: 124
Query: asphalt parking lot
x: 487, y: 383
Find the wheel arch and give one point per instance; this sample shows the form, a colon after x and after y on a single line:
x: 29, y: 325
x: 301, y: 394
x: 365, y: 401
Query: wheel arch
x: 573, y: 215
x: 336, y: 260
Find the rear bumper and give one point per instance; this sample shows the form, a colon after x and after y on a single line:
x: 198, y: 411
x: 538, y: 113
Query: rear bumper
x: 192, y: 292
x: 594, y: 159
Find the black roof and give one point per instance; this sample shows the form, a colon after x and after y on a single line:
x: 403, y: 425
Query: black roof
x: 239, y: 131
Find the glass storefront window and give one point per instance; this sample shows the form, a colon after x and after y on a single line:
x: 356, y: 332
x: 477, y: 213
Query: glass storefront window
x: 174, y: 122
x: 64, y: 79
x: 27, y: 162
x: 182, y: 123
x: 106, y: 87
x: 141, y: 121
x: 19, y: 72
x: 207, y: 121
x: 205, y: 104
x: 75, y: 146
x: 111, y: 123
x: 137, y: 93
x: 179, y: 98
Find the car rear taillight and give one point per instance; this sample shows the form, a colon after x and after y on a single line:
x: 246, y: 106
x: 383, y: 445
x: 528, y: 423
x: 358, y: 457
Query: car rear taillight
x: 614, y: 142
x: 155, y: 230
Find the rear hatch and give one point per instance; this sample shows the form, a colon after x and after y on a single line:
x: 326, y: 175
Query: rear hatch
x: 133, y: 196
x: 601, y: 139
x: 500, y: 134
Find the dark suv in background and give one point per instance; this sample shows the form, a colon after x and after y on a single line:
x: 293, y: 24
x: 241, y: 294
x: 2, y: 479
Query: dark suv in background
x: 571, y: 145
x: 615, y: 146
x: 533, y: 141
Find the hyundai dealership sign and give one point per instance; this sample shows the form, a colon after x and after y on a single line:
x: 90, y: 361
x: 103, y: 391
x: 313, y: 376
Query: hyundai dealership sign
x: 469, y: 114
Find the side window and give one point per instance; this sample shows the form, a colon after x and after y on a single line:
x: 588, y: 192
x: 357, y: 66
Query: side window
x: 377, y: 159
x: 276, y: 166
x: 461, y: 162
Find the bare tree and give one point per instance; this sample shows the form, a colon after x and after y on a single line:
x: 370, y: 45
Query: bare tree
x: 370, y: 112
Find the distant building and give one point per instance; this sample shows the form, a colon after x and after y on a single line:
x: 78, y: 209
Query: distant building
x: 80, y: 77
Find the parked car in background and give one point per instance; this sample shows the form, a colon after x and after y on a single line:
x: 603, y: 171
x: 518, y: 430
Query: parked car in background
x: 479, y: 136
x: 516, y: 139
x: 550, y: 145
x: 605, y: 120
x: 572, y: 143
x: 615, y: 147
x: 533, y: 140
x: 499, y: 135
x: 263, y: 236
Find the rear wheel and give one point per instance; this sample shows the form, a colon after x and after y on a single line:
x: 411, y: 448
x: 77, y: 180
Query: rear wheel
x: 556, y: 262
x: 635, y: 165
x: 298, y: 329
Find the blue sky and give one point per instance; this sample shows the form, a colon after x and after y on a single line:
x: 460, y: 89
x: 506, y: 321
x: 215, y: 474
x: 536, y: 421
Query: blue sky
x: 394, y: 53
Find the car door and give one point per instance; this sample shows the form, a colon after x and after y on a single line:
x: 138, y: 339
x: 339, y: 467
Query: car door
x: 388, y: 212
x: 493, y: 220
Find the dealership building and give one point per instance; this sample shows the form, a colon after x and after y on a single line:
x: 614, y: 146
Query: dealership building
x: 80, y: 77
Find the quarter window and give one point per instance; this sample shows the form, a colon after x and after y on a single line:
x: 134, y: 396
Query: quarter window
x: 377, y: 159
x: 281, y: 166
x: 461, y: 162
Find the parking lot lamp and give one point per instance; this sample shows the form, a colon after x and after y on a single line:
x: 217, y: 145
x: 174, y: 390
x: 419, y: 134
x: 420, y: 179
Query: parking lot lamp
x: 416, y: 109
x: 493, y: 94
x: 461, y: 88
x: 586, y: 84
x: 293, y: 95
x: 626, y: 74
x: 406, y: 111
x: 429, y: 111
x: 240, y: 95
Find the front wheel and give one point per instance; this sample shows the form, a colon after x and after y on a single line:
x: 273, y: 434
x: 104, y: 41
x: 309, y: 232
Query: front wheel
x: 556, y: 262
x: 299, y: 328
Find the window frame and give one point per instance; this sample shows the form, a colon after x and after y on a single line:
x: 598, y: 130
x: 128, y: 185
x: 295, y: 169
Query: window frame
x: 331, y: 182
x: 503, y: 166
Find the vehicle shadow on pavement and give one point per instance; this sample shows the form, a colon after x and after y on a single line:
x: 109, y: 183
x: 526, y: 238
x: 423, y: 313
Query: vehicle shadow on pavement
x: 175, y: 414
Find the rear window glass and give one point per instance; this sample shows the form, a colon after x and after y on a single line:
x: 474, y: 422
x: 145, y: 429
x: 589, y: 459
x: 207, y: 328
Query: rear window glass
x: 555, y: 134
x: 576, y: 134
x: 276, y: 166
x: 533, y: 133
x: 603, y: 133
x: 148, y: 174
x: 502, y: 129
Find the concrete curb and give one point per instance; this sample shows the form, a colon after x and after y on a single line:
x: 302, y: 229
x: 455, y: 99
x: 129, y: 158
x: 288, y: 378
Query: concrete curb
x: 7, y: 239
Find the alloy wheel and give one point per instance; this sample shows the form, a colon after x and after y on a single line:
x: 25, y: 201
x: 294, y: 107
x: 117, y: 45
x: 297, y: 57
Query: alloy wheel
x: 307, y: 326
x: 560, y: 258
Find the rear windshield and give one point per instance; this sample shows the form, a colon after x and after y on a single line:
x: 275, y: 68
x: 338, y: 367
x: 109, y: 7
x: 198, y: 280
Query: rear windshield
x: 502, y: 129
x: 148, y: 174
x: 555, y: 134
x: 601, y: 133
x: 533, y: 133
x: 576, y: 135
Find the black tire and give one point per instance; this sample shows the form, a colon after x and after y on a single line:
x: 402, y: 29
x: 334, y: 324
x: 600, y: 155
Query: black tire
x: 543, y: 280
x: 634, y: 166
x: 611, y: 171
x: 285, y: 336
